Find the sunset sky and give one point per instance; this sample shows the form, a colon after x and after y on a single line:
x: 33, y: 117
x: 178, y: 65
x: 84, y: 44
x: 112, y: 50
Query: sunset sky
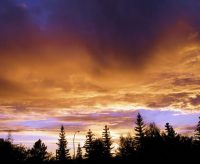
x: 87, y: 63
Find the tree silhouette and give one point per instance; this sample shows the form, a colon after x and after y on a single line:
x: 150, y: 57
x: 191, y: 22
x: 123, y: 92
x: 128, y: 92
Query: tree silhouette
x: 107, y: 142
x: 39, y: 152
x: 21, y: 153
x: 152, y: 142
x: 126, y: 147
x: 79, y: 155
x: 9, y: 137
x: 88, y: 143
x: 139, y: 131
x: 197, y: 131
x: 152, y: 131
x: 62, y: 151
x: 147, y: 146
x: 97, y: 150
x: 171, y: 142
x: 169, y: 131
x: 10, y: 153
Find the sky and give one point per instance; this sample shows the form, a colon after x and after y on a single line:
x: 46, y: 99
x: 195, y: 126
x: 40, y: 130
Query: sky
x: 87, y: 63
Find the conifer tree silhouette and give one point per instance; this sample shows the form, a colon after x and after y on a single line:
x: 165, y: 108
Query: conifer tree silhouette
x: 97, y: 150
x: 171, y: 142
x: 88, y: 143
x: 126, y: 147
x: 106, y: 138
x: 139, y: 131
x: 169, y: 130
x: 148, y: 144
x: 39, y: 152
x: 10, y: 153
x: 62, y: 151
x: 79, y: 155
x: 152, y: 141
x: 152, y: 131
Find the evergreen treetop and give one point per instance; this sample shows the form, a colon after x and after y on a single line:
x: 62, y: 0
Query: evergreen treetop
x: 139, y: 131
x: 106, y: 138
x: 62, y: 151
x: 88, y: 143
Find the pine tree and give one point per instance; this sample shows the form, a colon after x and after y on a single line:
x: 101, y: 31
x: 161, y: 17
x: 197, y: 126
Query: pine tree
x: 39, y: 152
x: 139, y: 131
x: 79, y: 155
x: 197, y: 131
x: 107, y: 142
x: 169, y: 131
x: 88, y: 143
x: 62, y: 151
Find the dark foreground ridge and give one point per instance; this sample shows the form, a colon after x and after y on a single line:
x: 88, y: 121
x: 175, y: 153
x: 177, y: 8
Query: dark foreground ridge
x: 148, y: 144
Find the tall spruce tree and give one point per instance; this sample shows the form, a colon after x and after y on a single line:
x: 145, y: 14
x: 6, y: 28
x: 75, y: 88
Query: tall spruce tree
x: 197, y: 131
x: 106, y: 138
x: 139, y: 132
x: 62, y: 151
x: 79, y: 155
x: 88, y: 144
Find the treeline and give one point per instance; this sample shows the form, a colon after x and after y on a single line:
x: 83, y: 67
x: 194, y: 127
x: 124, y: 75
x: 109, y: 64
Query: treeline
x: 148, y: 144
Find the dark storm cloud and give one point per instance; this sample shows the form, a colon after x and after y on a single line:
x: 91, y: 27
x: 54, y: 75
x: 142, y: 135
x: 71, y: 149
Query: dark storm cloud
x: 124, y: 31
x: 17, y: 29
